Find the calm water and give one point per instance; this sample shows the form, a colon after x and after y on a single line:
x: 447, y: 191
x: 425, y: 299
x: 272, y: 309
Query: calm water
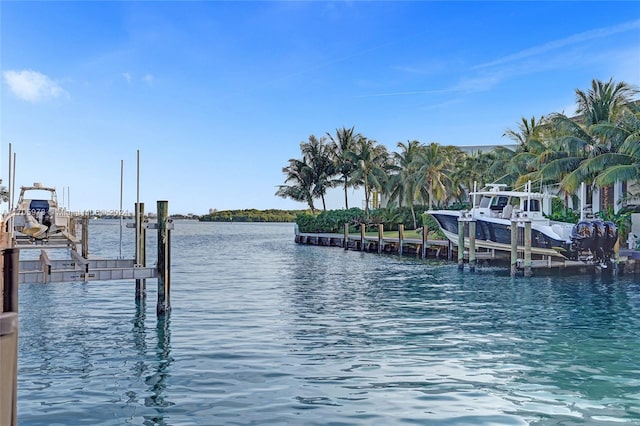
x: 264, y: 331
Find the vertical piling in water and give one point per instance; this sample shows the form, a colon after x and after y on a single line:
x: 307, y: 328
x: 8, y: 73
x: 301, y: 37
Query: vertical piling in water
x: 363, y: 230
x: 85, y: 236
x: 472, y: 245
x: 380, y: 237
x: 164, y: 259
x: 9, y: 337
x: 527, y: 248
x: 514, y: 248
x: 141, y: 250
x: 400, y: 238
x: 72, y: 227
x: 425, y: 233
x: 345, y: 242
x: 460, y: 243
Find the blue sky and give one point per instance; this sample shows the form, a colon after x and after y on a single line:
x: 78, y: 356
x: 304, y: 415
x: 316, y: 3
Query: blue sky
x: 217, y: 96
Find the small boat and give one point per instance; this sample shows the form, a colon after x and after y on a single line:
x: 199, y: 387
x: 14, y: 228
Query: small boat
x: 498, y: 208
x: 37, y: 215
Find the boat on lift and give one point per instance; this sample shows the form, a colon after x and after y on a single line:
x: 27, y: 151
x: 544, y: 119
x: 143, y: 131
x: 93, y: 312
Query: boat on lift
x: 495, y: 209
x: 38, y: 216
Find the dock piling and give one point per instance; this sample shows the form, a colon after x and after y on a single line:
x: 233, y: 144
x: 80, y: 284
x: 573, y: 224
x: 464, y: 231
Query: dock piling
x: 164, y: 259
x: 141, y: 252
x: 514, y: 248
x: 472, y: 245
x: 425, y: 233
x: 527, y: 248
x: 363, y: 230
x: 380, y: 237
x: 85, y: 236
x: 400, y: 238
x: 9, y: 337
x: 461, y: 227
x: 345, y: 242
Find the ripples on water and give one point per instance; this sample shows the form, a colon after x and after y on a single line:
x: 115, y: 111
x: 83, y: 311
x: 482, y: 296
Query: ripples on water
x: 264, y: 331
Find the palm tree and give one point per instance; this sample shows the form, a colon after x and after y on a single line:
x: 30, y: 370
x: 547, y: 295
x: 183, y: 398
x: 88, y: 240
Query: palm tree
x: 590, y: 136
x: 472, y: 168
x: 623, y: 164
x: 317, y: 155
x: 342, y: 146
x: 372, y: 161
x: 300, y: 175
x: 604, y: 101
x: 402, y: 183
x: 433, y: 172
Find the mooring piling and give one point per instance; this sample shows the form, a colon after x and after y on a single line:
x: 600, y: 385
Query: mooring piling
x: 346, y: 236
x: 527, y: 248
x: 164, y: 259
x: 9, y: 336
x: 461, y: 226
x: 423, y: 247
x: 363, y: 231
x: 400, y: 238
x: 472, y: 245
x: 514, y: 248
x: 85, y: 236
x: 141, y: 251
x: 380, y: 237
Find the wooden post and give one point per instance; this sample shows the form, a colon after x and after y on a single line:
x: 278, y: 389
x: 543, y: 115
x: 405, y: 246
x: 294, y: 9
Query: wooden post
x: 141, y: 251
x: 363, y: 230
x: 472, y: 245
x: 164, y: 260
x: 460, y: 243
x: 425, y: 233
x: 616, y: 257
x: 72, y: 227
x: 400, y: 238
x: 514, y: 248
x: 9, y: 337
x: 345, y: 243
x: 380, y: 237
x: 85, y: 236
x: 527, y: 248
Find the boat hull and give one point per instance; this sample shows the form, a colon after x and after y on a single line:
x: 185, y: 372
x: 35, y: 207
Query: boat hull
x: 495, y: 234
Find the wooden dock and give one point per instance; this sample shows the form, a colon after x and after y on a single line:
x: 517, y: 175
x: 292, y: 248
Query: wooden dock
x: 628, y: 261
x: 374, y: 244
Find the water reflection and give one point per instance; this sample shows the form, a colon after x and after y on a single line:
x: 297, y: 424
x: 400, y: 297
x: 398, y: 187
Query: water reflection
x: 154, y: 369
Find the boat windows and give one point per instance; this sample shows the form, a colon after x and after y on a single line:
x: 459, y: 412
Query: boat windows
x: 485, y: 202
x: 498, y: 203
x: 535, y: 205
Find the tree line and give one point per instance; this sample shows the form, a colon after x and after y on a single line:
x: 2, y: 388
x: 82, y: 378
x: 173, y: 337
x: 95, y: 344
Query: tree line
x: 599, y: 146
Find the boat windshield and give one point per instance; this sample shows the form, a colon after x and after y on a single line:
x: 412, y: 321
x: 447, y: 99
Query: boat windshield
x: 534, y: 204
x: 485, y: 202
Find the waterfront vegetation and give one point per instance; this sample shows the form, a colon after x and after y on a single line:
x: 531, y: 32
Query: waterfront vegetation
x: 600, y: 147
x: 251, y: 215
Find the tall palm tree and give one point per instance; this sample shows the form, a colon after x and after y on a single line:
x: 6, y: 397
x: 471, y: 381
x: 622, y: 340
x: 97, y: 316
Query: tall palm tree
x: 317, y: 155
x: 402, y: 183
x: 623, y: 163
x: 433, y: 172
x: 371, y: 160
x: 300, y: 176
x: 604, y: 101
x: 472, y: 168
x: 342, y: 147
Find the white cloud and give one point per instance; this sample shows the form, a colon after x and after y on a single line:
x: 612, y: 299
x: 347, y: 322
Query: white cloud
x: 149, y: 79
x: 127, y: 76
x: 561, y: 43
x: 33, y: 86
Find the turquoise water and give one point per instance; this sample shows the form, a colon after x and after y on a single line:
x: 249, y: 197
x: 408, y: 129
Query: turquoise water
x: 264, y: 331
